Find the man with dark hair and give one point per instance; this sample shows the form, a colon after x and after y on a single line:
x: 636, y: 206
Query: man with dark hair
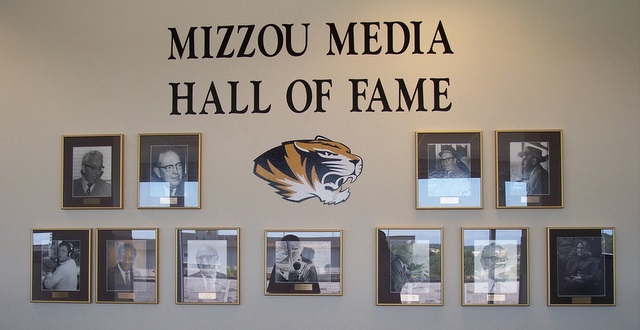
x: 120, y: 277
x: 65, y: 276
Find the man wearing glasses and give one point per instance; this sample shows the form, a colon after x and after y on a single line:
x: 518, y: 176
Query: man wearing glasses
x: 208, y: 283
x: 91, y: 184
x: 169, y: 168
x: 450, y: 167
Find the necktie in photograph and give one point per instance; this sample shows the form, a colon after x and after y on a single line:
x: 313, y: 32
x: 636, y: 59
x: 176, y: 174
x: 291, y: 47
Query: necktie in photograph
x: 89, y: 188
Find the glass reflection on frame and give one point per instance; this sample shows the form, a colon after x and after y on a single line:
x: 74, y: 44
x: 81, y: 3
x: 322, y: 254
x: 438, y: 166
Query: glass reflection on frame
x: 92, y: 171
x: 61, y: 265
x: 409, y: 266
x: 529, y: 170
x: 207, y: 265
x: 495, y: 266
x: 127, y: 265
x: 581, y: 264
x: 303, y: 262
x: 449, y: 170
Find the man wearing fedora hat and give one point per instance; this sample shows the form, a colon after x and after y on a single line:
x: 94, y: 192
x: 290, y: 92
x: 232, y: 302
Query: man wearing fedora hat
x: 536, y: 177
x: 450, y: 169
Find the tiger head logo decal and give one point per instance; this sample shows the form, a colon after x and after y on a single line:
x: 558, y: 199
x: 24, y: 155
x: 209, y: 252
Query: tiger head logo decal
x: 304, y: 169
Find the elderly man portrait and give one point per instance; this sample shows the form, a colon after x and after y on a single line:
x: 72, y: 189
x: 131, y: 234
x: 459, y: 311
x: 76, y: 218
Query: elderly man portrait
x: 168, y: 168
x: 90, y: 182
x: 535, y: 176
x: 451, y: 166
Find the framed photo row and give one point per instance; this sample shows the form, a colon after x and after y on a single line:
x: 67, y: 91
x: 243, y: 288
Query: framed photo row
x: 169, y: 170
x: 127, y: 261
x: 581, y: 266
x: 529, y: 169
x: 409, y: 266
x: 409, y: 263
x: 495, y: 267
x: 92, y: 171
x: 207, y: 269
x: 449, y: 170
x: 303, y: 262
x: 61, y: 265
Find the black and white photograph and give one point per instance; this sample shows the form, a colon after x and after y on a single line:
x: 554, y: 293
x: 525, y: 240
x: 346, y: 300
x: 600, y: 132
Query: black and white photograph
x: 61, y: 265
x: 207, y: 266
x: 169, y: 170
x: 127, y: 265
x: 303, y: 262
x: 529, y: 169
x: 409, y: 266
x: 448, y: 170
x: 495, y: 266
x: 92, y: 171
x: 581, y: 266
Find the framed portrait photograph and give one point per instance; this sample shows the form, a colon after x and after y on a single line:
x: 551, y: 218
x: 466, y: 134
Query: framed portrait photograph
x: 207, y: 270
x: 169, y: 170
x: 449, y: 170
x: 92, y: 171
x: 529, y: 169
x: 127, y: 265
x: 61, y: 265
x: 581, y: 265
x: 409, y: 266
x: 495, y: 264
x: 303, y: 262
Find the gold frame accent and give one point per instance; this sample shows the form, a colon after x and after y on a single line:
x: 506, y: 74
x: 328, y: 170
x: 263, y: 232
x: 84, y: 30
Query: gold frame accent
x: 180, y: 261
x: 476, y: 197
x: 67, y: 181
x: 524, y: 232
x: 62, y: 296
x: 440, y: 233
x: 169, y: 200
x: 558, y: 166
x: 609, y: 297
x: 293, y: 290
x: 101, y: 262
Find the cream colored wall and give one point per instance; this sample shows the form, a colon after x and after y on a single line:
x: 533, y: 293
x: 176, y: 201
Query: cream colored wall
x: 76, y: 67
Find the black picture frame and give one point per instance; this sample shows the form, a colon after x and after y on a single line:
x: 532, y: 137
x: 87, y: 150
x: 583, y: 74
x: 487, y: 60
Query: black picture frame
x: 179, y: 186
x: 495, y: 266
x: 97, y: 185
x: 62, y: 277
x: 303, y: 262
x: 449, y: 170
x: 409, y: 267
x: 581, y: 266
x: 127, y: 263
x: 538, y: 183
x: 208, y: 266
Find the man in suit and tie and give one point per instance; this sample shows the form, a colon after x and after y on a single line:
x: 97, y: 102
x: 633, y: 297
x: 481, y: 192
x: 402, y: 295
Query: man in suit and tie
x: 208, y: 283
x: 120, y: 277
x: 168, y: 168
x: 91, y: 184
